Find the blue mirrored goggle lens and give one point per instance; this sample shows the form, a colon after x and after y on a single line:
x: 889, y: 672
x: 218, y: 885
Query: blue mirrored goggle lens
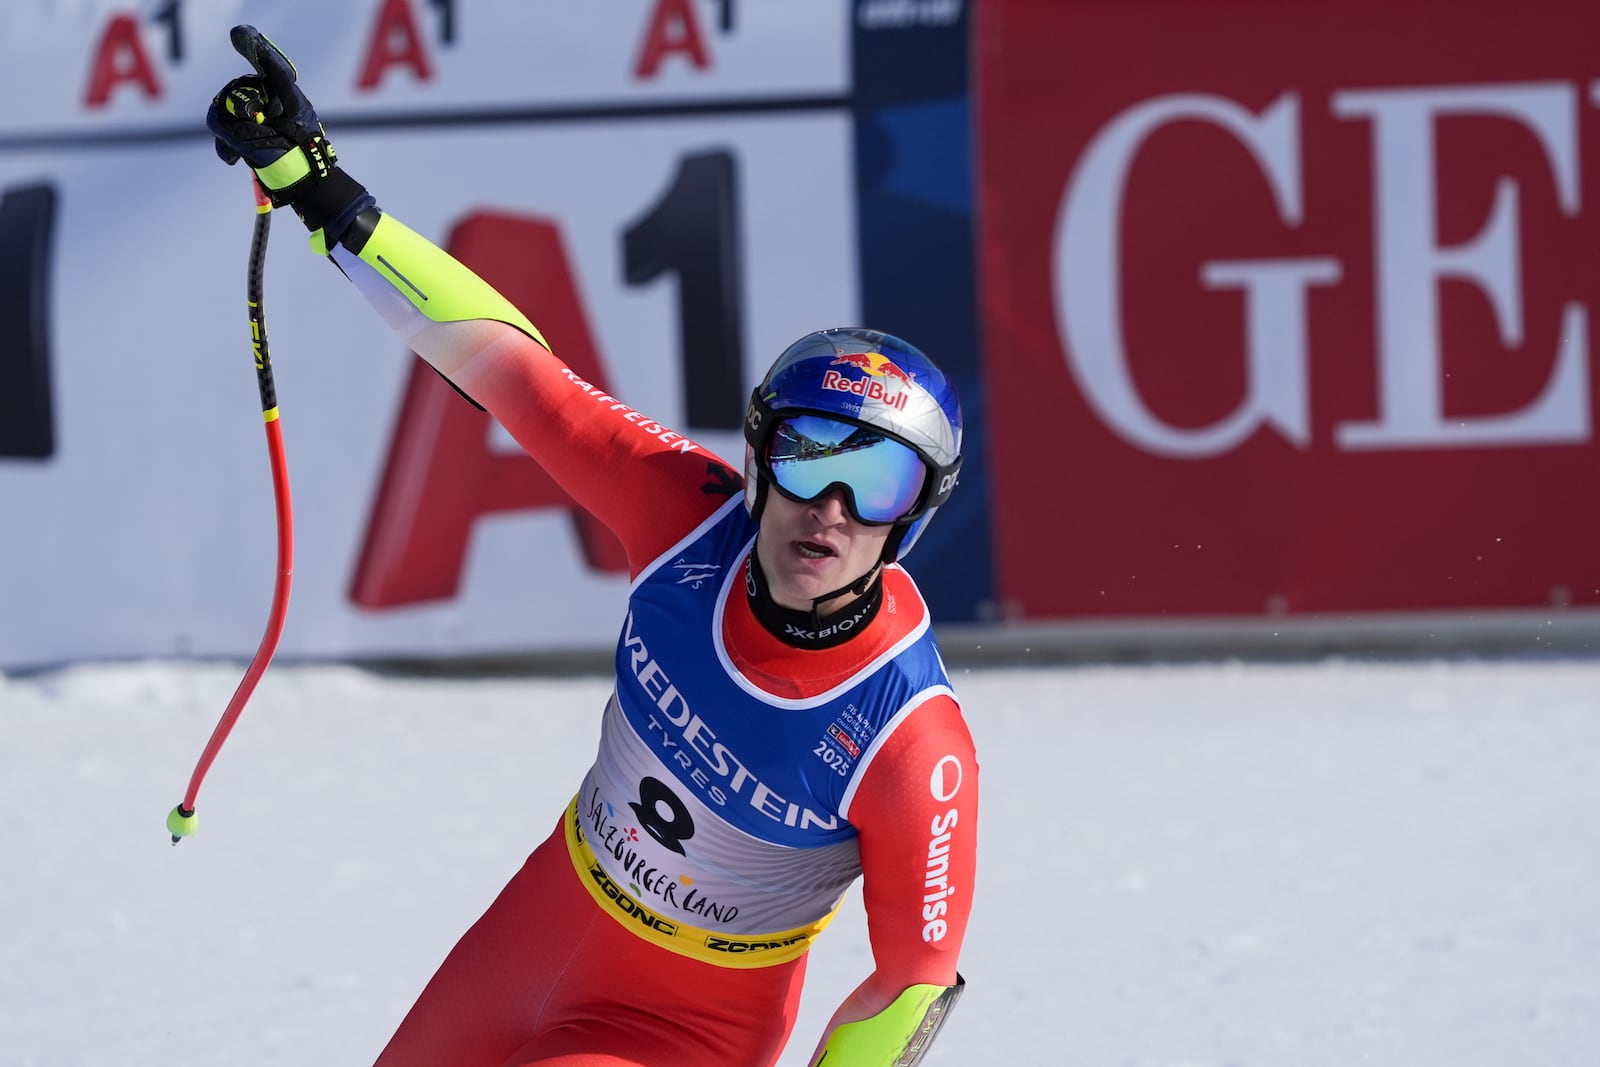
x: 809, y: 454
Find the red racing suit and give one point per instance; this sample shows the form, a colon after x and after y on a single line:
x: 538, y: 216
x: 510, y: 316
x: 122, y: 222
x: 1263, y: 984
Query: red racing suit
x: 599, y: 952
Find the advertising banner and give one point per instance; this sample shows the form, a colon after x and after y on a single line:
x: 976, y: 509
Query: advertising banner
x: 1288, y: 308
x: 672, y: 190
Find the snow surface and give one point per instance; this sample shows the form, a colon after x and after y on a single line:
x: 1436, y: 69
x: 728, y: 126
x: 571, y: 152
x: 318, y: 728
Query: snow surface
x: 1224, y: 865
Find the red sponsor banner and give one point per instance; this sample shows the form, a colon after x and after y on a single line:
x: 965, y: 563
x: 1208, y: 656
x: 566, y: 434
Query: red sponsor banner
x: 1288, y: 307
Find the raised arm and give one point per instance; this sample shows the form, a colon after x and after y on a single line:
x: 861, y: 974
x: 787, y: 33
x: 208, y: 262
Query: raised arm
x: 645, y: 482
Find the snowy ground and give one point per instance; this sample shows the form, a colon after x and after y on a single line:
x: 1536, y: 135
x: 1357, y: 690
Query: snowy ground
x: 1203, y: 866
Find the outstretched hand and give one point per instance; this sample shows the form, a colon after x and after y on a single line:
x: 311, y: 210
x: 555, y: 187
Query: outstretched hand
x: 265, y: 119
x: 270, y: 63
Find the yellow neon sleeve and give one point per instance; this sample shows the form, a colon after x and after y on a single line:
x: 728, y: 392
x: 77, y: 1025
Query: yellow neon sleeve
x: 898, y: 1035
x: 435, y: 282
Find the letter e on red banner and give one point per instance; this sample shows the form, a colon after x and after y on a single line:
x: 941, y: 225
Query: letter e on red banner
x: 1289, y: 307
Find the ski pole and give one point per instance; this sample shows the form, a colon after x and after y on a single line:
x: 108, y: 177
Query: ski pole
x: 181, y: 821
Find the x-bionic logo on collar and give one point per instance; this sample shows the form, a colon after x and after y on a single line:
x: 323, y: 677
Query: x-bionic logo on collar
x: 833, y: 629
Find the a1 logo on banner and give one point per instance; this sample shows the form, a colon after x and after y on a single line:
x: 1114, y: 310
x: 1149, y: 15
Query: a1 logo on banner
x: 132, y: 57
x: 712, y: 265
x: 442, y: 475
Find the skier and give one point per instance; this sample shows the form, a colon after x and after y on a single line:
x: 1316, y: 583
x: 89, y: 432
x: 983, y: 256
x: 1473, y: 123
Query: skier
x: 781, y: 722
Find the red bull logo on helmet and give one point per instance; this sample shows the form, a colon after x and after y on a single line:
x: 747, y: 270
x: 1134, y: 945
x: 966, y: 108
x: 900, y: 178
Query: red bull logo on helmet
x: 887, y: 381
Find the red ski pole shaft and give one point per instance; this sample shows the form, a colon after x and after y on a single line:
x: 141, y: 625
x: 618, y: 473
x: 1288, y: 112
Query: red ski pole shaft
x: 181, y: 822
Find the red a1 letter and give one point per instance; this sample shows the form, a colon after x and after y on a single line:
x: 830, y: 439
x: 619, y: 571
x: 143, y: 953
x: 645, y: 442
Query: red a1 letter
x: 120, y: 57
x: 396, y: 42
x: 441, y: 475
x: 673, y: 28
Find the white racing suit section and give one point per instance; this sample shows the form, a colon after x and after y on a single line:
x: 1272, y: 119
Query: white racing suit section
x: 711, y: 819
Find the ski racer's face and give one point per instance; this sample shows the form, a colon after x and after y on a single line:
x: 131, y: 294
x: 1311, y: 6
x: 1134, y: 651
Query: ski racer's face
x: 811, y: 548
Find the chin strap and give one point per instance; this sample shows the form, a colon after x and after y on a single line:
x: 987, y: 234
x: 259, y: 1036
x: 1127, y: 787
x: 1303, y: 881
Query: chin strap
x: 899, y: 1035
x: 872, y: 580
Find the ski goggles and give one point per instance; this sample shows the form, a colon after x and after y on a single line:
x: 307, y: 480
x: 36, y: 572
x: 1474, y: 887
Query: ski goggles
x: 808, y: 456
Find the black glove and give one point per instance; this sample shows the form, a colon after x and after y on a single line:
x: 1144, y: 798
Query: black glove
x: 265, y: 119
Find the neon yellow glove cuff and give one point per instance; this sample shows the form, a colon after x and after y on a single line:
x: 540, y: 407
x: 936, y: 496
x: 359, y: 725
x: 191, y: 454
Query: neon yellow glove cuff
x: 285, y: 171
x: 897, y: 1036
